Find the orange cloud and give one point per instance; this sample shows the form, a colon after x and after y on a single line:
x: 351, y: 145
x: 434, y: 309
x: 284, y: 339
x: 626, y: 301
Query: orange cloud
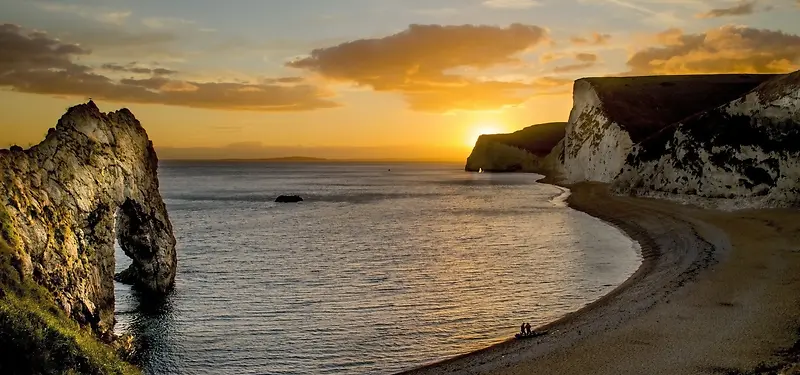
x: 585, y: 61
x: 553, y: 82
x: 35, y: 63
x: 596, y: 39
x: 552, y: 56
x: 419, y: 61
x: 728, y: 49
x: 586, y: 57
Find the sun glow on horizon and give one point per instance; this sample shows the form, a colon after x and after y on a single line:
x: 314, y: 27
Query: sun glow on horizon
x: 482, y: 129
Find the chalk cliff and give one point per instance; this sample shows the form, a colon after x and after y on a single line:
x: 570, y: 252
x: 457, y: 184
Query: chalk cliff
x: 693, y: 138
x: 65, y: 201
x: 747, y: 149
x: 610, y: 115
x: 526, y: 150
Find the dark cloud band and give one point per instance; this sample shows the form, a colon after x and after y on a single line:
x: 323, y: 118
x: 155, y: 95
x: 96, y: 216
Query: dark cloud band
x: 33, y: 62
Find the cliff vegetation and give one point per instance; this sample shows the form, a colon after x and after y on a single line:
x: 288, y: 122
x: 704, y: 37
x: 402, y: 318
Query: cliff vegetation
x: 522, y: 151
x: 36, y: 336
x: 63, y: 205
x: 645, y: 105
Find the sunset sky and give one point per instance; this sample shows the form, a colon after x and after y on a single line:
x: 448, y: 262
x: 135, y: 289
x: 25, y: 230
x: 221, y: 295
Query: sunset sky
x: 404, y: 79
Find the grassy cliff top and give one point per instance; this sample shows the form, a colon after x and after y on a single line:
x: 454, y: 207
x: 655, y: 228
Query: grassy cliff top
x: 537, y: 139
x: 37, y: 337
x: 645, y: 105
x: 716, y: 127
x: 777, y: 87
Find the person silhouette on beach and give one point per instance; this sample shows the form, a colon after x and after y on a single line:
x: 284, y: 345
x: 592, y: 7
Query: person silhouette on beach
x: 522, y: 329
x: 527, y: 329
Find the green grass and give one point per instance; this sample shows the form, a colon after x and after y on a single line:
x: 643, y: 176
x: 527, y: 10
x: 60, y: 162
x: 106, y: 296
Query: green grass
x: 7, y: 232
x: 539, y: 139
x: 36, y: 337
x: 645, y: 105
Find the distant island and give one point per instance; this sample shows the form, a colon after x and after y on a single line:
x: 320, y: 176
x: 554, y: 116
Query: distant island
x: 306, y: 159
x: 287, y: 159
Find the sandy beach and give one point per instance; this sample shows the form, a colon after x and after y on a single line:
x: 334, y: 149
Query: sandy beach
x: 716, y: 294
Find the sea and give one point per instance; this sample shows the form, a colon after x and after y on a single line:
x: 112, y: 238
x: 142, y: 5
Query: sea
x: 383, y: 267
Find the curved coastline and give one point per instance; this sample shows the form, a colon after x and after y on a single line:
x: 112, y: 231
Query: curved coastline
x: 675, y: 248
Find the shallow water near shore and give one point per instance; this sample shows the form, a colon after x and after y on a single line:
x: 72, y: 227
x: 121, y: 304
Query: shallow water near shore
x: 384, y: 267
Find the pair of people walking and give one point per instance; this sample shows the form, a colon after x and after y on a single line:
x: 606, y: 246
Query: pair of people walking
x: 525, y: 329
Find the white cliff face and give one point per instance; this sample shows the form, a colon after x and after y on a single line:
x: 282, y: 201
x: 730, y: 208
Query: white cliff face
x: 64, y: 202
x: 595, y: 147
x: 743, y: 154
x: 741, y: 147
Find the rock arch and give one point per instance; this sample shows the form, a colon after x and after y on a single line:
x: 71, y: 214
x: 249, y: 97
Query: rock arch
x: 94, y: 177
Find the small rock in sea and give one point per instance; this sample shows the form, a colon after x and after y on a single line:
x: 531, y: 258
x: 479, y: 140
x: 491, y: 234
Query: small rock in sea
x: 288, y: 199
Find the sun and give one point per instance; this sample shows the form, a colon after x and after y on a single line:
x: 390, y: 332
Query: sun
x: 481, y: 129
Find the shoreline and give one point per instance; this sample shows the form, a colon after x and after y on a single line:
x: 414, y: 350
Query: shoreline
x: 679, y: 245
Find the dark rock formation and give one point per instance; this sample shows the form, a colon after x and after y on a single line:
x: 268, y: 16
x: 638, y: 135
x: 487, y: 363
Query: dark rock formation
x: 64, y: 201
x: 288, y: 199
x: 522, y: 151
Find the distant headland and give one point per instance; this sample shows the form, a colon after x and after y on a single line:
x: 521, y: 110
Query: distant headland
x: 721, y: 140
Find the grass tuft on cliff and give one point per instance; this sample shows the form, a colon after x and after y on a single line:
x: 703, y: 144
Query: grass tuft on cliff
x: 36, y: 337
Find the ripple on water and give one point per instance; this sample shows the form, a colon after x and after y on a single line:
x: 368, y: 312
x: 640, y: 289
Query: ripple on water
x: 375, y: 273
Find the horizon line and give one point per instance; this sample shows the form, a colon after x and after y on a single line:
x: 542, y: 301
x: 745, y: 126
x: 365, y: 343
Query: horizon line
x: 316, y: 160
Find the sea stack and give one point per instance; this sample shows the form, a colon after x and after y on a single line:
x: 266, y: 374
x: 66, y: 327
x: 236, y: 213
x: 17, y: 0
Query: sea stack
x: 65, y: 201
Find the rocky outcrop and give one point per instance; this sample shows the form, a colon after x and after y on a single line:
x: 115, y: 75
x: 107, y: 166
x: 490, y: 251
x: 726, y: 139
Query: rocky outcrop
x: 610, y: 115
x: 747, y: 149
x: 288, y: 199
x: 526, y: 150
x: 65, y: 201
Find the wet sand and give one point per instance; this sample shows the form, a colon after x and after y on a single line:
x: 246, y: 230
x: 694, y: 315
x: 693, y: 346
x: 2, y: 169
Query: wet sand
x: 717, y: 293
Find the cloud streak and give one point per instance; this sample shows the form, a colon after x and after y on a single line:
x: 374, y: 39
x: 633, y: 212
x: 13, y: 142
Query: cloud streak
x: 585, y: 61
x: 596, y: 39
x: 132, y: 68
x: 421, y: 61
x: 511, y: 4
x: 743, y: 9
x: 33, y: 62
x: 165, y: 22
x: 662, y: 13
x: 99, y: 15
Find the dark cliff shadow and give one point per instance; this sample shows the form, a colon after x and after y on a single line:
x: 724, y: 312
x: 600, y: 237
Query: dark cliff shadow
x: 153, y: 326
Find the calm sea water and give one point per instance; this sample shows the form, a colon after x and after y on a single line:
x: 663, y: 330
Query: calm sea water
x: 377, y: 271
